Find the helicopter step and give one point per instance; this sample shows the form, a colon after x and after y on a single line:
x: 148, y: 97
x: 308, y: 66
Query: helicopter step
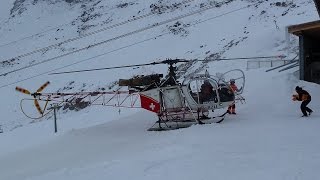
x: 165, y: 125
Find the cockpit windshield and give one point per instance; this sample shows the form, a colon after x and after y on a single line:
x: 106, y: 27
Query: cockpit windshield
x: 202, y: 91
x: 205, y: 91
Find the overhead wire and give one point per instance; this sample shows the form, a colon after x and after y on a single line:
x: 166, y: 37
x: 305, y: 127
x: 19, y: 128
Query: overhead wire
x: 44, y: 73
x: 39, y: 33
x: 31, y: 77
x: 44, y: 49
x: 124, y: 35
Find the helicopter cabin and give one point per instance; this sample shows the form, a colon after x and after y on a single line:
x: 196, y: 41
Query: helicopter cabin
x: 309, y: 48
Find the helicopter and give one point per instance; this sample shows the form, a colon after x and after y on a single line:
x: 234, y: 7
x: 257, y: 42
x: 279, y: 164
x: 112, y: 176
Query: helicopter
x: 178, y: 103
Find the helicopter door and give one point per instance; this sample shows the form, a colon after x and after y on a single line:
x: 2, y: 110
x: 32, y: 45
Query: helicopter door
x: 172, y: 99
x: 203, y: 91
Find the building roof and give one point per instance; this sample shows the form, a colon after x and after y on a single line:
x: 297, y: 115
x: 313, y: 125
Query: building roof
x: 311, y: 29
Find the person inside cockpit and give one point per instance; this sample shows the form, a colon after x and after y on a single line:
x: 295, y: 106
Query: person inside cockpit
x: 206, y: 92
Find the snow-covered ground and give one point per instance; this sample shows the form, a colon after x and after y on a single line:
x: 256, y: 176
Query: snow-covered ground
x: 267, y: 139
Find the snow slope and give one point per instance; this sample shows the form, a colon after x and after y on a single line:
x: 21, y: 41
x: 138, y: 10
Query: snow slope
x: 267, y: 139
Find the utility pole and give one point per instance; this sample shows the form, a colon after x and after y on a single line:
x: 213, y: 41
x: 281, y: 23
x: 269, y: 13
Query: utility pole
x: 55, y: 106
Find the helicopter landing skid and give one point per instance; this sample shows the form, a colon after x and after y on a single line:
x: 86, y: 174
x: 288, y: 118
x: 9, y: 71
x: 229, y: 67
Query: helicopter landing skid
x: 165, y: 125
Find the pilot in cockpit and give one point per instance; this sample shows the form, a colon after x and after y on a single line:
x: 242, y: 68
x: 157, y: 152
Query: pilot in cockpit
x: 206, y: 92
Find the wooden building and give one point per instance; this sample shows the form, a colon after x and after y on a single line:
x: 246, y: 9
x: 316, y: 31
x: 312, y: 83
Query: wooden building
x: 309, y: 48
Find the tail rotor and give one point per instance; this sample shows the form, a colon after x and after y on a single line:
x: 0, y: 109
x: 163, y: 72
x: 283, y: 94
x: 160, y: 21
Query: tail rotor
x: 36, y: 95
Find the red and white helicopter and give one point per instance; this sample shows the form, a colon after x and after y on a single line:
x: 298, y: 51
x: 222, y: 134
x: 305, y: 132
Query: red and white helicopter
x: 178, y: 102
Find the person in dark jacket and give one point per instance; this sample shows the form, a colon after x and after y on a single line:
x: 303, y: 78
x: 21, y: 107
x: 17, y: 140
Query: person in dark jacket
x: 305, y: 97
x: 206, y: 92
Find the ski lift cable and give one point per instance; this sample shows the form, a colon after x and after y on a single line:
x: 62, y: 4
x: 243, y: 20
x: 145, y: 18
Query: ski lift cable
x: 44, y: 49
x: 124, y: 35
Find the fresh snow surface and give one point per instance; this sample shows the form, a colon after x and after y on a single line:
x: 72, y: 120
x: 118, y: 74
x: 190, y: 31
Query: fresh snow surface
x: 267, y: 139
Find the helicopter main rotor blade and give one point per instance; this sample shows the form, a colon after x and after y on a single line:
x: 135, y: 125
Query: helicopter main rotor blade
x: 174, y: 61
x: 170, y: 62
x: 240, y: 58
x: 43, y: 86
x: 22, y: 90
x: 98, y: 69
x: 118, y: 67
